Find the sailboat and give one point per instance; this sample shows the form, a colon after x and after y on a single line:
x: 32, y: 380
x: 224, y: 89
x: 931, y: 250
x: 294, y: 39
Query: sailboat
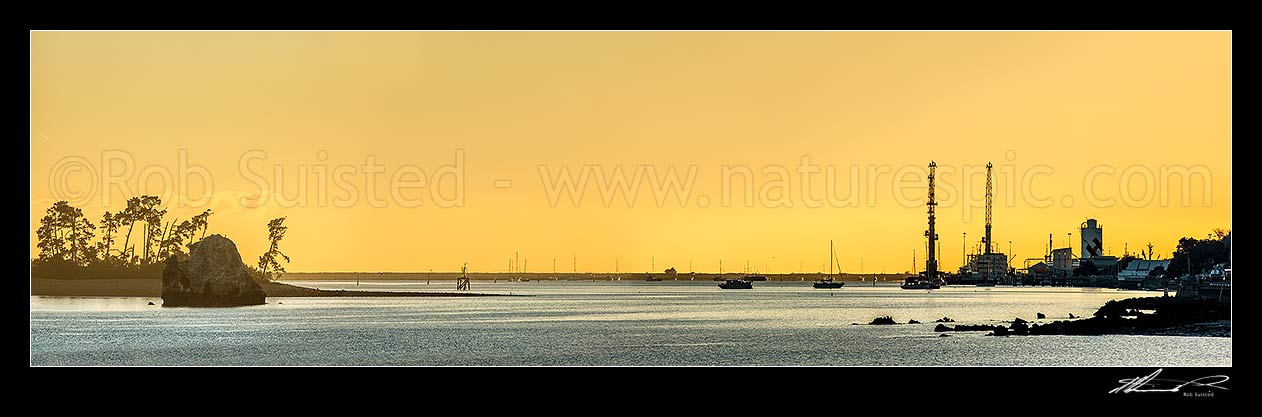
x: 828, y: 282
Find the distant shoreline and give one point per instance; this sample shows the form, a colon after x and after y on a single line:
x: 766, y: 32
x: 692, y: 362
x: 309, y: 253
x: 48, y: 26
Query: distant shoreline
x: 578, y: 276
x: 153, y: 288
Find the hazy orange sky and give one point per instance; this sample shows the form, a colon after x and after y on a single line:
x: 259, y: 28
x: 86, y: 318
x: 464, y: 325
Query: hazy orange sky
x: 1078, y: 125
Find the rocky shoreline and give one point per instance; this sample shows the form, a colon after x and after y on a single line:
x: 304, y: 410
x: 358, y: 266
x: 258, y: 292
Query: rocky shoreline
x: 1156, y: 316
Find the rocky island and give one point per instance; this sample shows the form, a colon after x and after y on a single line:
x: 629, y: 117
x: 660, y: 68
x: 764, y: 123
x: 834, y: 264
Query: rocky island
x: 212, y: 276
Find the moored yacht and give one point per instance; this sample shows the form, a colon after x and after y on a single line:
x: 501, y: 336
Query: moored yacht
x: 829, y: 282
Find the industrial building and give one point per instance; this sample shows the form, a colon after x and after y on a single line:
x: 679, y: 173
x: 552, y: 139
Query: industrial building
x: 1092, y: 234
x: 1092, y: 238
x: 1059, y: 265
x: 1138, y: 269
x: 992, y: 266
x: 1062, y: 261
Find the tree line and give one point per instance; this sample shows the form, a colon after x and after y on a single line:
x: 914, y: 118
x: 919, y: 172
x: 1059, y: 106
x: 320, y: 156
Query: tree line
x: 66, y: 237
x: 1198, y: 256
x: 1191, y: 256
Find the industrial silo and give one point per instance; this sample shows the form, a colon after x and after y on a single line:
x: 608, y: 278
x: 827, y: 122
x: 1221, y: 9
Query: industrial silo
x: 1092, y: 239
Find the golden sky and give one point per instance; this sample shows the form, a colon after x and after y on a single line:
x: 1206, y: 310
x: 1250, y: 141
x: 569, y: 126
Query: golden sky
x: 1078, y: 125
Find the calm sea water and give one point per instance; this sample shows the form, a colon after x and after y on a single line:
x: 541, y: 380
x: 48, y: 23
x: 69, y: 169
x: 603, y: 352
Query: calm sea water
x: 599, y: 323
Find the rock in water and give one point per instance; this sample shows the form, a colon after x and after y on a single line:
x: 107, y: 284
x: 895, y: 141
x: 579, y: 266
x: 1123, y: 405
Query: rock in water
x: 213, y: 276
x: 883, y: 320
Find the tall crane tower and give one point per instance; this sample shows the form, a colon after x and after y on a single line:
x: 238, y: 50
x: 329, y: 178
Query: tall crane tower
x: 990, y: 198
x: 931, y: 264
x: 990, y: 265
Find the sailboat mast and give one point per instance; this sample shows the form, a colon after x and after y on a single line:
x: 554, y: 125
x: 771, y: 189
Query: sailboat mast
x: 830, y: 258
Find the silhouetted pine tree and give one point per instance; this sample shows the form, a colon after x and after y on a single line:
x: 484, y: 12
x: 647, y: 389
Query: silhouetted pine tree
x: 275, y: 232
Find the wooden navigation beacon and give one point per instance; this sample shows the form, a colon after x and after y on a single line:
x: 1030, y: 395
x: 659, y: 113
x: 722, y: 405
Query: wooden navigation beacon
x: 462, y: 283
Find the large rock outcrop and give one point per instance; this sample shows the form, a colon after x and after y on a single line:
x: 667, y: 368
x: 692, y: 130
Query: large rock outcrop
x: 213, y: 276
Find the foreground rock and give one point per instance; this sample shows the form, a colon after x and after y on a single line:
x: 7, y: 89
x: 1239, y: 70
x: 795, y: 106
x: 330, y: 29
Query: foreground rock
x: 1020, y: 327
x: 1169, y: 316
x: 213, y: 276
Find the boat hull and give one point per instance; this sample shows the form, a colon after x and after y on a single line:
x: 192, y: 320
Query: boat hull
x: 828, y: 284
